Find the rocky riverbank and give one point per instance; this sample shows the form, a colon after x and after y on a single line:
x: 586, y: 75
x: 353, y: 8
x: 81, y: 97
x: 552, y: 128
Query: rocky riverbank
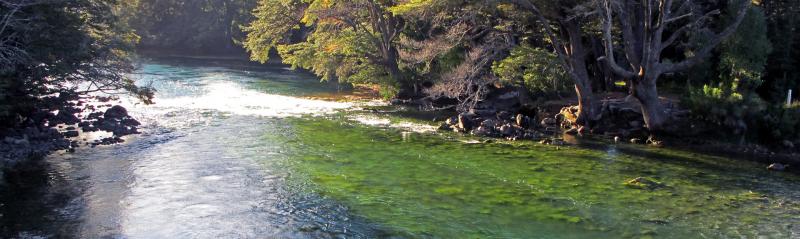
x: 621, y: 122
x: 66, y: 122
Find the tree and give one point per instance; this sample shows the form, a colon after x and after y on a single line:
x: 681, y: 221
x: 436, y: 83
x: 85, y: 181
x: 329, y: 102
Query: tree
x: 783, y: 26
x: 730, y: 100
x: 61, y: 46
x: 643, y: 25
x: 189, y: 26
x: 350, y: 41
x: 560, y: 22
x: 455, y: 54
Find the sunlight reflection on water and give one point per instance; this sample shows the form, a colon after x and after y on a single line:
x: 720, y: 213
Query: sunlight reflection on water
x: 233, y: 98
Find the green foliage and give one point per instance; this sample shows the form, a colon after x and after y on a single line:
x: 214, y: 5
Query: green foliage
x: 275, y: 21
x: 335, y: 55
x: 537, y: 69
x: 744, y: 55
x: 731, y: 101
x: 190, y: 26
x: 724, y: 108
x: 347, y: 41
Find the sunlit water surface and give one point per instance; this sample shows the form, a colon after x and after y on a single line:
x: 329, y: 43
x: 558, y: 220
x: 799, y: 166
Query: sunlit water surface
x: 231, y: 151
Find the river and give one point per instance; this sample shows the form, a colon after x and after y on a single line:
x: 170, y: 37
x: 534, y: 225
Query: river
x: 232, y: 150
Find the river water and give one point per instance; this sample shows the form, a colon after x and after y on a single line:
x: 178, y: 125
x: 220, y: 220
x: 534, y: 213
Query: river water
x: 237, y: 151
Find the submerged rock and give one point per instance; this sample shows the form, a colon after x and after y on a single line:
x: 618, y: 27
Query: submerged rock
x: 644, y: 183
x: 777, y: 167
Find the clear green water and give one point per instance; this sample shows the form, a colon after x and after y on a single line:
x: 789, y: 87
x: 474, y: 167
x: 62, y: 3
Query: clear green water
x: 426, y: 185
x: 238, y: 152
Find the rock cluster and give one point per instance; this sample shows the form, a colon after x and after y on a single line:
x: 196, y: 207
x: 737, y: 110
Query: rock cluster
x: 58, y: 123
x: 618, y: 118
x: 500, y: 125
x: 115, y: 120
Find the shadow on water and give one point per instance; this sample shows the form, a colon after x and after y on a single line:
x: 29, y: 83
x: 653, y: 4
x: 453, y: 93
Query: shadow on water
x: 32, y: 199
x: 744, y: 173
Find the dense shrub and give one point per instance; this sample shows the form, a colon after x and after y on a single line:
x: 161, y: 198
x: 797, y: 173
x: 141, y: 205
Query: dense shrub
x: 535, y: 68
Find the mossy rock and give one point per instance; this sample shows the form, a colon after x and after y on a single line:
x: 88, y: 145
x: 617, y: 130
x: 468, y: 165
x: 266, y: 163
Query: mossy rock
x: 644, y: 183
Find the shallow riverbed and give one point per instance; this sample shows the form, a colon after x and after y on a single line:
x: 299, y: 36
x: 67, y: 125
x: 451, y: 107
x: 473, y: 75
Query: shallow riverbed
x: 234, y: 151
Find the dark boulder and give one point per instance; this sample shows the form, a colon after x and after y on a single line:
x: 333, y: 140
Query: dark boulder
x: 483, y: 131
x: 116, y: 112
x: 65, y: 118
x: 489, y: 123
x: 445, y: 126
x: 452, y: 120
x: 71, y: 134
x: 504, y: 115
x: 465, y: 121
x: 507, y: 130
x: 130, y: 122
x: 95, y: 115
x: 546, y: 122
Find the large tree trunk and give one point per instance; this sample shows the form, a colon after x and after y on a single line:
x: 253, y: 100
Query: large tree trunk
x: 588, y: 108
x: 406, y: 89
x: 653, y: 112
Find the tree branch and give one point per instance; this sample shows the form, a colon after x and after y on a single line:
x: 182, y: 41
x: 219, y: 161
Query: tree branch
x: 608, y: 39
x: 703, y: 53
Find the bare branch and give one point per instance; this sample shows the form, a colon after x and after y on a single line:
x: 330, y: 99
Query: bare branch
x: 609, y: 58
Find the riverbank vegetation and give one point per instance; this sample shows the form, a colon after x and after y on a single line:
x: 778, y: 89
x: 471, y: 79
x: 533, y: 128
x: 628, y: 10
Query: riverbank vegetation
x: 52, y: 50
x: 726, y: 66
x: 682, y: 68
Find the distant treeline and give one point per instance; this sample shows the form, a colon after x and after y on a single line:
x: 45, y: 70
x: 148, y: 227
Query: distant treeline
x: 190, y: 26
